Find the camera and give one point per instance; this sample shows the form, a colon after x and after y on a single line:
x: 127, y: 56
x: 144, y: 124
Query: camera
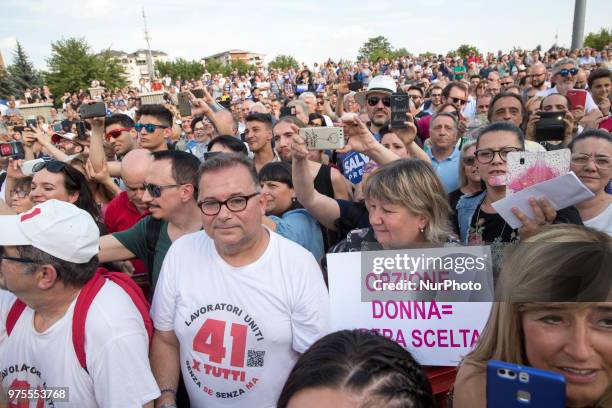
x: 13, y: 149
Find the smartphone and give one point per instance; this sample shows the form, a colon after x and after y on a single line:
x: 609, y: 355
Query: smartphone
x: 355, y: 86
x: 400, y: 103
x: 286, y: 111
x: 514, y: 386
x: 81, y: 130
x: 198, y: 93
x: 323, y: 138
x: 93, y: 110
x: 31, y: 123
x: 606, y: 124
x: 13, y: 149
x: 550, y: 126
x: 184, y: 104
x: 577, y: 97
x: 525, y: 169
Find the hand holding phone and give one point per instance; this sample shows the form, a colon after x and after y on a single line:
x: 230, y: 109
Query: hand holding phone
x: 323, y: 138
x: 550, y: 126
x: 93, y: 110
x: 184, y: 104
x: 399, y: 106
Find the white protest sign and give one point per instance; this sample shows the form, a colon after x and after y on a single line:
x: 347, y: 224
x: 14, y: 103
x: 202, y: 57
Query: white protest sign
x: 436, y: 333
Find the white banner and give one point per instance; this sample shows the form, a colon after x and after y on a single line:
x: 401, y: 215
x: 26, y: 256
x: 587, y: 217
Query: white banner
x: 436, y: 333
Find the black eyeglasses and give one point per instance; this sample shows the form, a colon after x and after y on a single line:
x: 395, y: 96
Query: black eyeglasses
x: 373, y: 101
x: 16, y: 259
x: 149, y: 127
x: 234, y: 204
x: 155, y: 191
x: 485, y: 156
x: 566, y: 72
x: 458, y: 101
x: 53, y: 166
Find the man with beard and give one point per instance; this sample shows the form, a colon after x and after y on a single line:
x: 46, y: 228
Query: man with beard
x: 564, y: 75
x: 537, y: 73
x: 378, y: 107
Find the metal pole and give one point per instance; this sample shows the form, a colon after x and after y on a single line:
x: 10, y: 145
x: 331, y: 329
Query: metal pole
x: 149, y: 55
x: 578, y: 30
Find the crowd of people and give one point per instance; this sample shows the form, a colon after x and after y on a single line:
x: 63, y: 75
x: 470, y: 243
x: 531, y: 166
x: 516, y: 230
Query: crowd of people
x: 221, y: 216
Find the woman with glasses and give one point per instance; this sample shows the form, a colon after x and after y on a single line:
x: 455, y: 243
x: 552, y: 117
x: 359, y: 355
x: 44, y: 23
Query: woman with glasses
x: 469, y: 177
x: 592, y: 162
x: 478, y: 221
x: 20, y: 195
x: 284, y: 213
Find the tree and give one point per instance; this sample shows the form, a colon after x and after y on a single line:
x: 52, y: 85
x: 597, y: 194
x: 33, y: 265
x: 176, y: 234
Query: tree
x: 240, y: 66
x: 283, y: 62
x: 427, y: 55
x: 400, y: 52
x: 6, y: 86
x: 376, y: 48
x: 22, y: 72
x: 598, y: 40
x: 215, y: 67
x: 464, y: 50
x: 72, y: 66
x: 180, y: 68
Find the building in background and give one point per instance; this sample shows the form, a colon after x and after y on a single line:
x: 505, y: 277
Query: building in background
x: 247, y: 57
x: 135, y: 64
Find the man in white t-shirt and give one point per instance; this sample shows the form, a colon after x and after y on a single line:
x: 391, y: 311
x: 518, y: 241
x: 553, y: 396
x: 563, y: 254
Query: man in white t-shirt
x: 49, y: 254
x: 234, y: 305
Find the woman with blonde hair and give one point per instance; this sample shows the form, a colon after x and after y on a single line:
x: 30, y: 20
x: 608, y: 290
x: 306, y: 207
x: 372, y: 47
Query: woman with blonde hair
x: 554, y: 313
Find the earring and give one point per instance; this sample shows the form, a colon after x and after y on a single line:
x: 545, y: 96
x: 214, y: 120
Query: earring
x: 422, y: 230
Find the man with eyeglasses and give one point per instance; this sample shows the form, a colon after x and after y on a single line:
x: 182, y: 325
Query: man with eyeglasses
x: 236, y: 303
x: 120, y: 133
x: 537, y: 74
x: 564, y: 75
x: 170, y: 191
x: 435, y: 99
x: 48, y: 257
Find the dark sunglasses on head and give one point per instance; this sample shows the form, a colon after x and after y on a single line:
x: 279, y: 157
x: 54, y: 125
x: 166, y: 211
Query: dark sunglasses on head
x: 149, y: 127
x: 373, y: 101
x: 113, y: 134
x: 566, y: 72
x: 210, y: 155
x: 53, y: 166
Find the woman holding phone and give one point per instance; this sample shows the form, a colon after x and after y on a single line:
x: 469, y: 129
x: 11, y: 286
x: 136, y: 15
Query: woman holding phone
x: 539, y: 323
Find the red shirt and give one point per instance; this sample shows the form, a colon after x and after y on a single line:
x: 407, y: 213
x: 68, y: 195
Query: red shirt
x: 122, y: 214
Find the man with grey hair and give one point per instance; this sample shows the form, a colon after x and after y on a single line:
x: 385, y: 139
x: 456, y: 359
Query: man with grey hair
x: 235, y: 303
x: 564, y: 75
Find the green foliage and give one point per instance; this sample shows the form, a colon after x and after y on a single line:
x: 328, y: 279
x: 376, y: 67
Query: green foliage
x: 240, y: 66
x: 427, y: 55
x: 21, y: 72
x: 400, y: 52
x: 180, y: 69
x: 215, y: 67
x: 376, y: 48
x: 6, y: 86
x: 598, y: 40
x: 464, y: 50
x: 72, y: 66
x: 283, y: 62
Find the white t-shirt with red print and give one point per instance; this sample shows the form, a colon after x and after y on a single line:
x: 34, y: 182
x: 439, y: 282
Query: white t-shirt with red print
x: 240, y: 329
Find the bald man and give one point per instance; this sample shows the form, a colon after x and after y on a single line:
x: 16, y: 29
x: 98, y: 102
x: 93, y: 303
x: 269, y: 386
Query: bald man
x: 537, y: 74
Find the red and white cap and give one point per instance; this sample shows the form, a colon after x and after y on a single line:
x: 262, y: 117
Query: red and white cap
x: 56, y: 227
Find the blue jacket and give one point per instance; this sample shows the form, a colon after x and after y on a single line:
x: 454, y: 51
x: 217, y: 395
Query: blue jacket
x: 300, y: 227
x: 466, y: 207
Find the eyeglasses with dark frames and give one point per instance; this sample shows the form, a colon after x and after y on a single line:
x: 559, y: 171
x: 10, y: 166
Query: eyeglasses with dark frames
x: 234, y: 204
x: 373, y: 101
x: 149, y: 127
x: 485, y: 156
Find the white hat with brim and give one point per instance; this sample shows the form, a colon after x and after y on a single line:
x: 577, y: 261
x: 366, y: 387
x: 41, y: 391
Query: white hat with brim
x: 381, y: 83
x: 56, y: 227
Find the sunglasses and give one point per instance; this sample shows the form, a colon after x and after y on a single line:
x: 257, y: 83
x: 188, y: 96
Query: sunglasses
x: 155, y: 191
x: 53, y: 166
x: 15, y: 259
x: 149, y: 127
x: 458, y: 101
x: 113, y: 134
x: 373, y: 101
x: 566, y: 72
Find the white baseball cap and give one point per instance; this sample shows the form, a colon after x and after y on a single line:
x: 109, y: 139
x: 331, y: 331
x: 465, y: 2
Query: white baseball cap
x: 58, y: 228
x: 381, y: 83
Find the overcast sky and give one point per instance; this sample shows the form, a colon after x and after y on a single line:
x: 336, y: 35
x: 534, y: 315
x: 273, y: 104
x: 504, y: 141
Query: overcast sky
x: 309, y: 30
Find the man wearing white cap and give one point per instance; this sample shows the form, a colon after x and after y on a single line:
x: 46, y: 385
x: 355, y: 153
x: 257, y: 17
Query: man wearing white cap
x: 377, y: 100
x: 48, y: 260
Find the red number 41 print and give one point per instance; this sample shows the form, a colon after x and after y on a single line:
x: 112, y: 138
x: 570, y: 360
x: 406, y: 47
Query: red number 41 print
x: 210, y: 339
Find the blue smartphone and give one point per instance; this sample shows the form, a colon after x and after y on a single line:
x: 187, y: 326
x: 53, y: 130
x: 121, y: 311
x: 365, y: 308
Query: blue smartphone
x: 514, y: 386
